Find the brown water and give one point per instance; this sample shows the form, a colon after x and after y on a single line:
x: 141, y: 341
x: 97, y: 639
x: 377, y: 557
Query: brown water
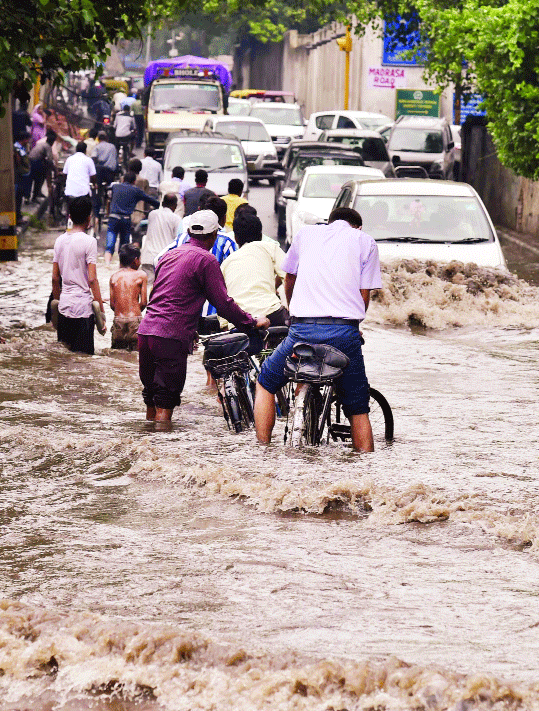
x: 192, y: 569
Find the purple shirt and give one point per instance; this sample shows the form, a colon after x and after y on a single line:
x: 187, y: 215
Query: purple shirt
x: 184, y: 279
x: 332, y: 263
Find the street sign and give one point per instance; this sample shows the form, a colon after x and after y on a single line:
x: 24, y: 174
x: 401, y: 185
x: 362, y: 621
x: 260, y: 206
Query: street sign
x: 469, y: 109
x: 387, y: 77
x: 417, y: 102
x: 399, y: 38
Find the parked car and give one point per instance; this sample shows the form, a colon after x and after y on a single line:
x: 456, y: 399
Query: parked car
x: 259, y: 149
x: 425, y: 219
x: 300, y: 155
x: 238, y: 107
x: 312, y: 202
x: 457, y: 151
x: 223, y: 158
x: 327, y: 120
x: 425, y: 142
x: 368, y: 143
x: 283, y: 121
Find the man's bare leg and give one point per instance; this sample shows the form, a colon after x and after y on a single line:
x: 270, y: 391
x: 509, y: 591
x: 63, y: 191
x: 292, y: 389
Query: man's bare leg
x: 162, y: 414
x: 362, y: 440
x: 264, y: 414
x: 150, y: 412
x: 108, y: 257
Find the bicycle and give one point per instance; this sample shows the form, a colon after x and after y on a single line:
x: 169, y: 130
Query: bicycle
x: 313, y: 370
x: 227, y: 360
x: 273, y: 337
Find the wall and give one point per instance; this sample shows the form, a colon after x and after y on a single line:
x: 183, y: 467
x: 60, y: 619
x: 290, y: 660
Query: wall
x: 312, y: 66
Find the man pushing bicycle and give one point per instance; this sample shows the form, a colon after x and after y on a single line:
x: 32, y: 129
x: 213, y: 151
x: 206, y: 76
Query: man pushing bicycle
x: 330, y: 272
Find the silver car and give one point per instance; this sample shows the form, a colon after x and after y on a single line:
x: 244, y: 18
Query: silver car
x: 369, y: 145
x: 222, y: 158
x: 425, y: 142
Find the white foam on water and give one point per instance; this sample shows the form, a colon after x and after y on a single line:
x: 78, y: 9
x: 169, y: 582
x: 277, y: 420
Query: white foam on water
x: 46, y: 651
x: 440, y: 296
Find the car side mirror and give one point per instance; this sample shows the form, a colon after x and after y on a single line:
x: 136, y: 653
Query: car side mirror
x: 396, y: 160
x: 450, y: 145
x: 289, y: 194
x: 279, y: 174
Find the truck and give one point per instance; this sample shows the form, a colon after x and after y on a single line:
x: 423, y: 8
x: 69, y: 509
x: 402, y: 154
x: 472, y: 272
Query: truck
x: 180, y: 92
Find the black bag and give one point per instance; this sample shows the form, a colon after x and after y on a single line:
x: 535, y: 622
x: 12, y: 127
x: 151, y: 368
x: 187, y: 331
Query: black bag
x: 226, y: 353
x: 315, y: 363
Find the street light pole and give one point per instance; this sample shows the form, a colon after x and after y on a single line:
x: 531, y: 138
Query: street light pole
x: 345, y: 45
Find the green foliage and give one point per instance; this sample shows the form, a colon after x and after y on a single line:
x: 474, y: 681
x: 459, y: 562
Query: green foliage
x: 42, y: 37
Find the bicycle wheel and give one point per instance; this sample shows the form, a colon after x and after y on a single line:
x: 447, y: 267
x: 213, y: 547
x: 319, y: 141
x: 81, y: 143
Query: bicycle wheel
x: 381, y: 415
x: 245, y: 400
x: 233, y: 407
x: 305, y: 419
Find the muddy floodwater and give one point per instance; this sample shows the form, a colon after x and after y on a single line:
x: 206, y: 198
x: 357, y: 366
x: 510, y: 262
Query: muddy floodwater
x: 193, y: 570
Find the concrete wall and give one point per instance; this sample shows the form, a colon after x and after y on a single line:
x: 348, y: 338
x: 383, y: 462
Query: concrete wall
x: 312, y: 66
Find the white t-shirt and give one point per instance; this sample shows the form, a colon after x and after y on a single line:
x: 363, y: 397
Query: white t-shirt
x: 151, y: 171
x: 163, y: 227
x: 250, y: 276
x: 79, y: 169
x: 73, y: 251
x: 332, y: 263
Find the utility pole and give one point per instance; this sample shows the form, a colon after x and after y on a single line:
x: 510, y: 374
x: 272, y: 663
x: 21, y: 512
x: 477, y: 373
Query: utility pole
x: 8, y: 231
x: 345, y: 45
x: 149, y: 43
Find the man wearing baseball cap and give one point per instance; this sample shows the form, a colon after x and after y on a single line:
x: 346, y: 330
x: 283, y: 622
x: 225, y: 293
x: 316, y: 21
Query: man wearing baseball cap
x: 184, y: 279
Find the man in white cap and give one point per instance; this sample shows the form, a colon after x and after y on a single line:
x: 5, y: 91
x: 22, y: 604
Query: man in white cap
x: 184, y: 279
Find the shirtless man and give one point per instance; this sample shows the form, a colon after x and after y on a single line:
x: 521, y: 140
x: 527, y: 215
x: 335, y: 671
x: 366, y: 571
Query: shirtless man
x: 128, y: 297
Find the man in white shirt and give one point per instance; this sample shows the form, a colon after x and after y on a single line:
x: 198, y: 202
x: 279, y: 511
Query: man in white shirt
x: 253, y: 273
x: 176, y: 185
x: 74, y: 280
x: 80, y: 172
x: 151, y: 171
x: 330, y: 271
x: 163, y: 227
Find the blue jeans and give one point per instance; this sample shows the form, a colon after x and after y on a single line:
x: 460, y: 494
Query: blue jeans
x: 117, y: 228
x: 352, y: 387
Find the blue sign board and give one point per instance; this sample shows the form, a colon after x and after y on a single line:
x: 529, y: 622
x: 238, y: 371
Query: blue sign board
x: 469, y: 109
x: 398, y: 40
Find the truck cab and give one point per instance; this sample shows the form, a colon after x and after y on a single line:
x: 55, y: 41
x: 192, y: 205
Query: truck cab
x: 180, y: 98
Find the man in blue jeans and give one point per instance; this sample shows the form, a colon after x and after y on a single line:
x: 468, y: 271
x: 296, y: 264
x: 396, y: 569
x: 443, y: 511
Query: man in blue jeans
x: 330, y: 271
x: 122, y: 205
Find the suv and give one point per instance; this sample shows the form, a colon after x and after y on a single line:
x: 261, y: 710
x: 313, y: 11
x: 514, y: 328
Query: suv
x: 424, y: 142
x: 300, y: 155
x: 369, y: 144
x: 221, y: 156
x: 283, y: 121
x: 327, y: 120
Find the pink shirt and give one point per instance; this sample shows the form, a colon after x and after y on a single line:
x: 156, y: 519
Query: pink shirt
x: 332, y: 263
x: 73, y: 251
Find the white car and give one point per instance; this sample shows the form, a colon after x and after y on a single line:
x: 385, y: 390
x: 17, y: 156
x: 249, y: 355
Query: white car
x: 425, y: 219
x: 283, y: 121
x: 328, y: 120
x: 259, y: 149
x: 238, y: 107
x: 313, y: 201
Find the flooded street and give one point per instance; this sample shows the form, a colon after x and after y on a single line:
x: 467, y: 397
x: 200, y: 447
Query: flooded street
x: 192, y: 569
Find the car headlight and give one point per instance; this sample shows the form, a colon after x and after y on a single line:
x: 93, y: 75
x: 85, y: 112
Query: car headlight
x: 309, y: 218
x: 438, y: 163
x: 269, y: 156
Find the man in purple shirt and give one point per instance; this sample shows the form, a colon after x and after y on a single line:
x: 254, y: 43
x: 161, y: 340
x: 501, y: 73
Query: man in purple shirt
x: 184, y: 279
x: 330, y: 271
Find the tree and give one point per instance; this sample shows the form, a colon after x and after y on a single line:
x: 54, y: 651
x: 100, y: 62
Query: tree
x: 42, y: 37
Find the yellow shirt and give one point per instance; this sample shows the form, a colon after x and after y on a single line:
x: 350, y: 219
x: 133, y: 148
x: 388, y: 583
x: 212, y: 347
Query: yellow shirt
x: 232, y: 202
x: 250, y: 276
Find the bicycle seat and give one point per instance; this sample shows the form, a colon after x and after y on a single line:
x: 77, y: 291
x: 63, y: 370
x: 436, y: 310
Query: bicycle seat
x: 276, y: 335
x: 206, y: 324
x: 315, y: 362
x: 226, y: 345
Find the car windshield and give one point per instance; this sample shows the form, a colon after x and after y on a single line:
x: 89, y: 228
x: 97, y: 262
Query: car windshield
x: 186, y: 95
x: 194, y: 154
x: 304, y: 161
x: 282, y: 115
x: 244, y: 130
x: 238, y: 108
x: 372, y: 149
x: 429, y: 218
x: 416, y: 140
x: 325, y: 185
